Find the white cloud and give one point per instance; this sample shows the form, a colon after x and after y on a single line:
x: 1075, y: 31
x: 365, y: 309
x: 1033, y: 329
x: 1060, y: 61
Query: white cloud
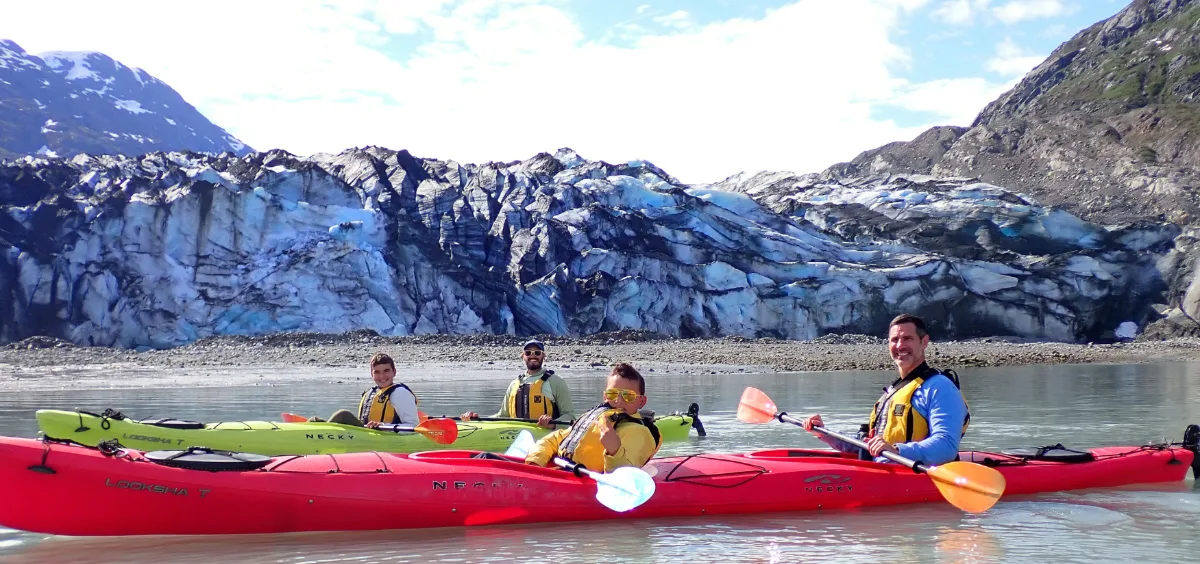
x: 1056, y: 30
x: 1015, y: 11
x: 678, y: 19
x: 643, y: 9
x: 624, y: 31
x: 1011, y: 59
x: 957, y: 100
x: 405, y: 17
x: 966, y: 12
x: 907, y: 5
x: 505, y: 79
x: 959, y: 12
x: 955, y: 12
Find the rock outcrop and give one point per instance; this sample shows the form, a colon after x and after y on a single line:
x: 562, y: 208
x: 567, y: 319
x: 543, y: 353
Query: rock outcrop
x: 1107, y: 128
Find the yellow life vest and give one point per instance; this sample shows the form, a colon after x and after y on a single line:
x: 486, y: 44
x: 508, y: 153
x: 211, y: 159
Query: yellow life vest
x: 376, y: 405
x: 902, y: 423
x: 582, y: 443
x: 529, y: 402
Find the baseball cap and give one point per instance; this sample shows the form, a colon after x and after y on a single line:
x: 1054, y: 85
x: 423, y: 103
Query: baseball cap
x: 534, y: 343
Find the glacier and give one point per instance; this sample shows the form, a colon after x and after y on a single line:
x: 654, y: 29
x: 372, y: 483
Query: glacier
x: 165, y: 248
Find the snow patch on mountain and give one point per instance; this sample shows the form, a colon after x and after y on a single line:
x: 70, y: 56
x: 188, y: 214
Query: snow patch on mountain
x: 74, y: 64
x: 88, y: 95
x: 131, y: 106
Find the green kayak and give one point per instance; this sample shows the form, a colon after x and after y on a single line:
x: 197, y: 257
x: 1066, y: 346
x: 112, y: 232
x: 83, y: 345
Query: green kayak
x: 274, y: 438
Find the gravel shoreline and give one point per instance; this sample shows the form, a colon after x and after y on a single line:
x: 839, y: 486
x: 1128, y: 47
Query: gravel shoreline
x: 726, y: 355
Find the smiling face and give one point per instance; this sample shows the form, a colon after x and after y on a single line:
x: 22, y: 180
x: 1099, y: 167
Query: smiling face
x: 383, y: 374
x: 625, y: 387
x: 533, y: 359
x: 906, y: 346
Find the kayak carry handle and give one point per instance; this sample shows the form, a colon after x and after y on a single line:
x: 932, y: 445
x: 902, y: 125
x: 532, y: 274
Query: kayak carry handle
x: 1191, y: 441
x: 82, y: 427
x: 693, y: 411
x: 42, y: 468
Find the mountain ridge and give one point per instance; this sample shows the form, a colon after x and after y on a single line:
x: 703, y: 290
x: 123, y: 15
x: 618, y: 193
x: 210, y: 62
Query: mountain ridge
x: 1107, y: 127
x: 62, y: 103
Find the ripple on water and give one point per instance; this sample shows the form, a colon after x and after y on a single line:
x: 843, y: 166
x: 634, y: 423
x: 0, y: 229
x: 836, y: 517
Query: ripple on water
x: 1186, y: 501
x: 7, y: 533
x: 9, y: 542
x: 1051, y: 515
x: 1084, y: 527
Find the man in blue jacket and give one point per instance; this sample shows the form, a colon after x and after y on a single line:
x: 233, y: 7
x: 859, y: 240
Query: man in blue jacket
x: 922, y: 414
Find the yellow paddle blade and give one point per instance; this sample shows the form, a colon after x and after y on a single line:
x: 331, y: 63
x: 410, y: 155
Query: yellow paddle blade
x: 440, y: 431
x: 974, y: 488
x: 292, y: 418
x: 755, y: 407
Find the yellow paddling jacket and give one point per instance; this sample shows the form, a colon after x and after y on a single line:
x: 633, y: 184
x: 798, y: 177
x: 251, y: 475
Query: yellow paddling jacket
x: 640, y: 440
x: 376, y: 405
x: 529, y: 402
x: 894, y: 415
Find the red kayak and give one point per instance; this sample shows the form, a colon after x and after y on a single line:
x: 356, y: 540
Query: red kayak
x: 56, y: 488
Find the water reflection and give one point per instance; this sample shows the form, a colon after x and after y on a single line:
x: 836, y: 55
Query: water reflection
x: 1080, y: 406
x: 866, y: 536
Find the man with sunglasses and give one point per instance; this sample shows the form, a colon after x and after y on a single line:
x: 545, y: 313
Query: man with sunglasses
x: 537, y: 394
x: 610, y: 435
x: 921, y: 415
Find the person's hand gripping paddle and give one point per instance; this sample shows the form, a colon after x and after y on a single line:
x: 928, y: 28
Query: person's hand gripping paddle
x: 968, y: 486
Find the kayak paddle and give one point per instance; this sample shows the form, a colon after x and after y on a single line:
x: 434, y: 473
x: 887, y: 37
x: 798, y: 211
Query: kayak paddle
x: 506, y: 419
x: 440, y: 431
x: 293, y: 418
x: 974, y: 488
x: 693, y: 411
x: 620, y: 490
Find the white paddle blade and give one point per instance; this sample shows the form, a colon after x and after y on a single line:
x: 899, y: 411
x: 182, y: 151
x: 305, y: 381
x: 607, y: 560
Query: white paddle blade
x: 624, y: 489
x: 521, y: 445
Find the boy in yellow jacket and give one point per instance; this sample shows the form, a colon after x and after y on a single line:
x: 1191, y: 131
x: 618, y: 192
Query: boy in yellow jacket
x: 610, y: 435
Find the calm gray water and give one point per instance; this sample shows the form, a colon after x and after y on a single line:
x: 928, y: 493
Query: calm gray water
x: 1080, y: 406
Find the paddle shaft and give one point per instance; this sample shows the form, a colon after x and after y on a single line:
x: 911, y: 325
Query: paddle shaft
x: 575, y: 467
x: 507, y: 419
x: 398, y: 428
x: 600, y: 478
x: 917, y: 466
x: 395, y: 428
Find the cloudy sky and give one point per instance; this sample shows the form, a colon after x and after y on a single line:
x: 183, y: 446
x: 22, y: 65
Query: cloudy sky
x: 703, y: 88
